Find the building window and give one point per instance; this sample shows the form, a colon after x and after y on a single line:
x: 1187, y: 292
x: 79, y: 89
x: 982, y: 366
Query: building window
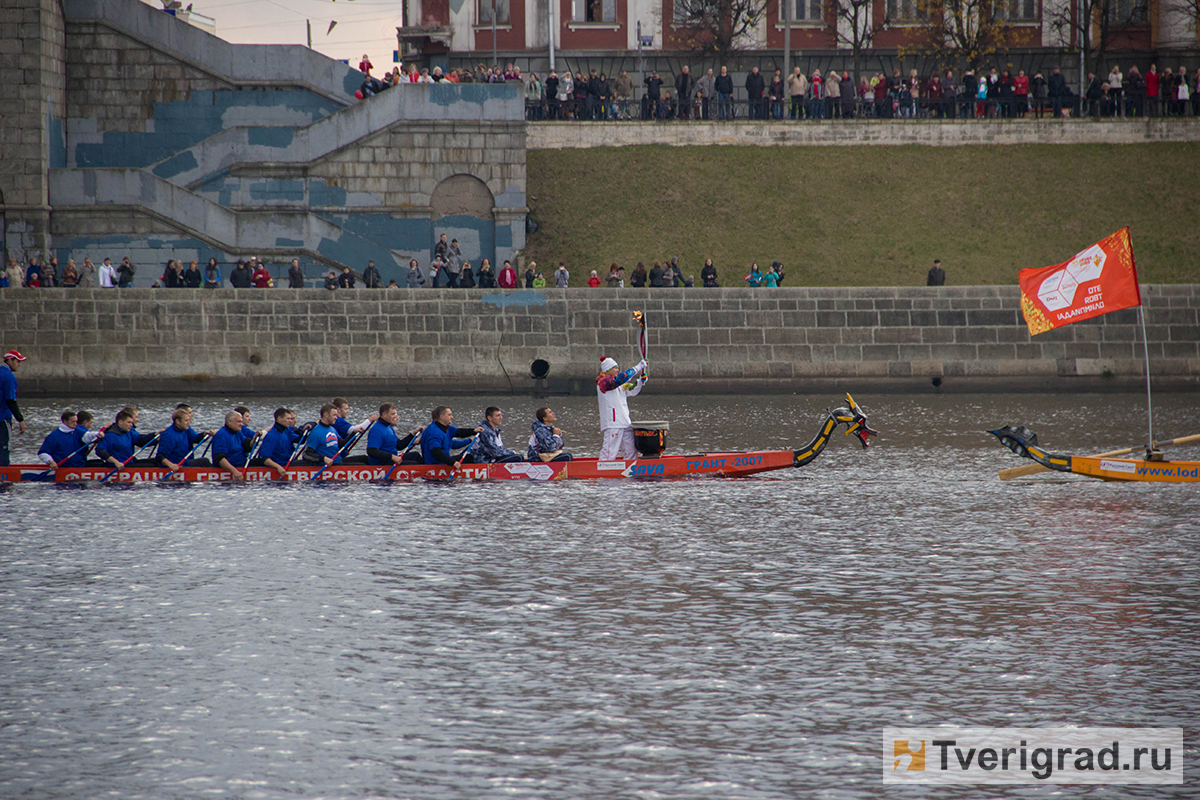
x: 1017, y: 10
x: 485, y: 12
x: 803, y: 10
x: 1128, y: 12
x: 594, y: 11
x: 902, y: 11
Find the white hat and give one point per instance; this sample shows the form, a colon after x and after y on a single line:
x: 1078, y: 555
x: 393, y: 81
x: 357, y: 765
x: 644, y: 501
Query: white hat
x: 606, y: 364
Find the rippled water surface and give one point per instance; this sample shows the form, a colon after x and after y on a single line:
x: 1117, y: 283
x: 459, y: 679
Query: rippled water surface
x: 692, y: 639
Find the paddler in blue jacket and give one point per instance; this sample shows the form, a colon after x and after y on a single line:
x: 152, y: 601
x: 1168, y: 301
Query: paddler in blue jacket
x: 341, y: 422
x: 121, y: 439
x: 177, y: 441
x: 63, y: 442
x: 83, y: 433
x: 438, y: 439
x: 279, y: 442
x: 383, y: 446
x: 229, y: 446
x: 322, y: 444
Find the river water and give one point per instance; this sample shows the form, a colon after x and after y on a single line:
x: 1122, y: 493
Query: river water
x: 692, y: 639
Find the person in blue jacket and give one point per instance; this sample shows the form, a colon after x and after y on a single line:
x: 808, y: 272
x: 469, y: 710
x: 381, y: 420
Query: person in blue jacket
x: 176, y: 443
x: 229, y: 446
x: 121, y: 440
x: 383, y: 446
x: 280, y: 442
x: 342, y: 421
x: 438, y: 439
x: 83, y: 422
x: 322, y: 444
x: 62, y: 445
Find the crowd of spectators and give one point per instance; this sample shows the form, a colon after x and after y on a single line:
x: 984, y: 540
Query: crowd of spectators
x: 983, y: 94
x: 448, y: 269
x: 402, y: 75
x: 988, y: 93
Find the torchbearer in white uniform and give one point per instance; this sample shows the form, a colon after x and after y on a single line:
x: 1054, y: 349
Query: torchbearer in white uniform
x: 613, y: 390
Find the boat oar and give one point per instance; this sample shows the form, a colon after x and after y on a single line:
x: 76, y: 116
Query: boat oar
x: 459, y: 463
x: 132, y: 457
x: 416, y: 438
x: 345, y: 448
x: 1033, y: 469
x: 186, y: 458
x: 299, y: 447
x: 41, y: 476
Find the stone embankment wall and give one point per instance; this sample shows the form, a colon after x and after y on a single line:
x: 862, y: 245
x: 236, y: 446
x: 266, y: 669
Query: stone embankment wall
x: 947, y: 133
x: 701, y: 340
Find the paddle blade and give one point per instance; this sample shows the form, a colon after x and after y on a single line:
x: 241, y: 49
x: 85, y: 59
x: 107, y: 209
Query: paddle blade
x: 1016, y: 439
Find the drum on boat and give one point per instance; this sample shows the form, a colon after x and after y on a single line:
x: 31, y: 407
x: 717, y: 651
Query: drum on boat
x: 650, y: 437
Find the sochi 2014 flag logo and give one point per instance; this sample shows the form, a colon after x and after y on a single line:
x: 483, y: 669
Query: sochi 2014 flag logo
x: 1098, y: 280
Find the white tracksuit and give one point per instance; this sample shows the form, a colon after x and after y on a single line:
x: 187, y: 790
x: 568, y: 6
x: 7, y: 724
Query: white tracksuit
x: 615, y: 427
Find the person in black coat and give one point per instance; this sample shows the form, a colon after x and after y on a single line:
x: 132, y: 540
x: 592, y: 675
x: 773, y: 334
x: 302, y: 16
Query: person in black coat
x: 1056, y: 87
x: 708, y: 275
x: 685, y: 87
x: 652, y: 96
x: 755, y: 86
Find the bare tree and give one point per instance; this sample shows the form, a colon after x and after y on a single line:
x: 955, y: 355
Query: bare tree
x: 1091, y: 32
x: 959, y: 33
x: 857, y: 26
x: 720, y: 27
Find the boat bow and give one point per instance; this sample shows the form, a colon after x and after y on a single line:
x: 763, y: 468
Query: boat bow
x: 850, y: 415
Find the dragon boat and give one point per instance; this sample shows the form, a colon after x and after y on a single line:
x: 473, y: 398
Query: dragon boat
x: 729, y: 465
x: 1106, y: 467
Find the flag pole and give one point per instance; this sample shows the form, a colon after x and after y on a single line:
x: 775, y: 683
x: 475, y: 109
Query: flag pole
x: 1149, y: 408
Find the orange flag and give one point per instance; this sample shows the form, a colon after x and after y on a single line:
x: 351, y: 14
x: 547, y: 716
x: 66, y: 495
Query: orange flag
x: 1101, y: 279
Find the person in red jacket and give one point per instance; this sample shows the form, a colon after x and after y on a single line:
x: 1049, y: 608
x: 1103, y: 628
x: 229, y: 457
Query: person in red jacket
x: 508, y: 276
x: 593, y: 280
x: 1152, y: 90
x: 261, y: 278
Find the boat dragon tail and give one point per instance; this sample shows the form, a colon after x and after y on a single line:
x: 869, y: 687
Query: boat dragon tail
x: 1024, y: 443
x: 850, y: 415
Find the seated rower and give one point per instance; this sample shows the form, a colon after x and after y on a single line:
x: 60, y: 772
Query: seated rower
x: 345, y: 430
x: 176, y: 443
x: 63, y: 447
x: 383, y: 446
x: 121, y: 440
x: 230, y: 447
x: 546, y: 443
x: 322, y: 447
x: 490, y: 448
x: 279, y: 442
x: 83, y: 422
x: 438, y: 439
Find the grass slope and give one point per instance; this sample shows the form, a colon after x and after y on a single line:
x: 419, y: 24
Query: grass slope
x: 865, y: 215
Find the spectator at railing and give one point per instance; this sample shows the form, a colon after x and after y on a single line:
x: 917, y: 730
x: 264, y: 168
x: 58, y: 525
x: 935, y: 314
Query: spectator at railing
x: 1038, y: 89
x: 1152, y: 77
x: 724, y: 88
x: 1116, y: 90
x: 1135, y: 93
x: 706, y: 91
x: 775, y: 93
x: 1059, y: 94
x: 580, y: 95
x: 755, y: 86
x: 816, y: 103
x: 623, y: 91
x: 797, y: 87
x: 1021, y: 92
x: 638, y: 277
x: 365, y: 66
x: 604, y: 96
x: 833, y: 94
x: 533, y: 97
x: 653, y: 95
x: 685, y: 87
x: 849, y: 95
x: 1095, y: 96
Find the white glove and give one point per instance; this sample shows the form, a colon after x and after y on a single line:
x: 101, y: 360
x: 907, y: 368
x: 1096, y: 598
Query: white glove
x: 641, y: 367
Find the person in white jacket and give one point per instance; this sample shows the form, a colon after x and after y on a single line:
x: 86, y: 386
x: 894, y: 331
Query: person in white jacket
x: 613, y: 389
x: 108, y: 274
